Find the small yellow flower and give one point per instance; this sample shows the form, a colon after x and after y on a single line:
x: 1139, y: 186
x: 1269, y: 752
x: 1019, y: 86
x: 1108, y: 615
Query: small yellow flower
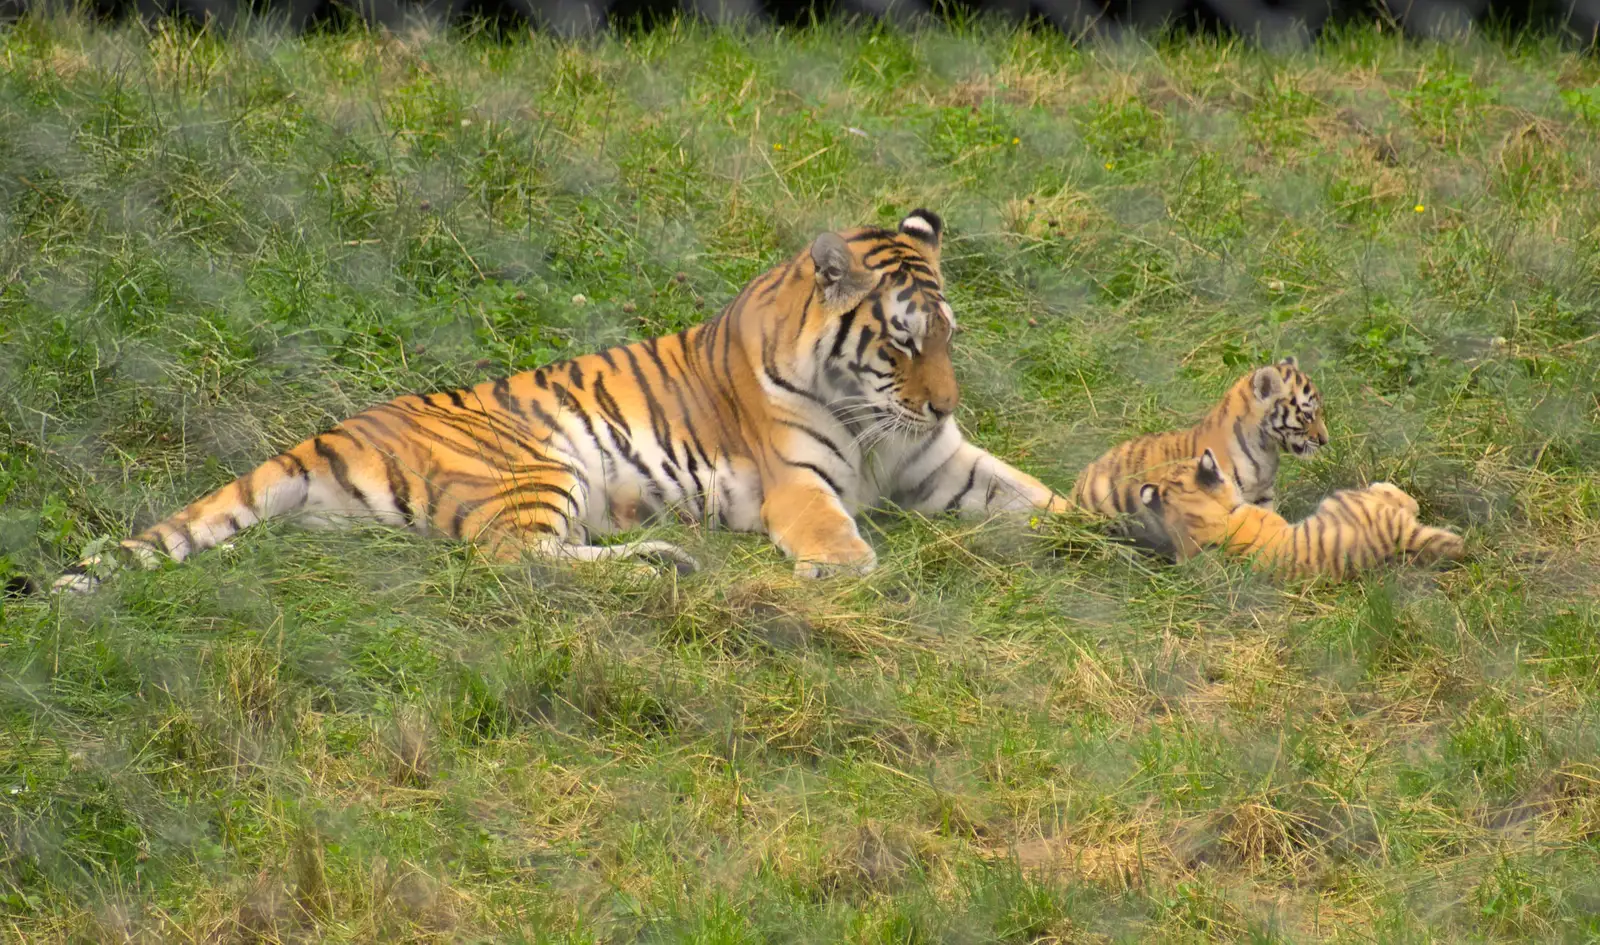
x: 777, y: 147
x: 1419, y: 208
x: 1033, y: 522
x: 1016, y: 140
x: 1110, y: 165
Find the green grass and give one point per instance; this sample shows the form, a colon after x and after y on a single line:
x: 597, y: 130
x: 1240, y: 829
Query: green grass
x: 211, y: 248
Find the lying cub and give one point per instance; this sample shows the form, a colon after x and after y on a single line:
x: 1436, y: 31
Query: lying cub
x: 1351, y: 530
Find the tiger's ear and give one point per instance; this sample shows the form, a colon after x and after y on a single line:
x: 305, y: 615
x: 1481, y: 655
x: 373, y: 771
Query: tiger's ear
x: 924, y: 226
x: 1209, y: 475
x: 1150, y: 497
x: 1291, y: 362
x: 1267, y: 383
x: 842, y: 280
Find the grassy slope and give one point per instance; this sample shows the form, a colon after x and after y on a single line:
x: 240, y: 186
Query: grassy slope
x: 209, y: 250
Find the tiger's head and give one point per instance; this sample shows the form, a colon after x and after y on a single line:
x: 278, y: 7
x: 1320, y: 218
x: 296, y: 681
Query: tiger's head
x: 1193, y: 501
x: 1289, y: 407
x: 882, y: 353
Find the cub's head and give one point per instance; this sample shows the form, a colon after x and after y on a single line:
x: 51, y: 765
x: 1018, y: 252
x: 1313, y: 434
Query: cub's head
x: 883, y: 351
x: 1289, y: 407
x: 1193, y: 500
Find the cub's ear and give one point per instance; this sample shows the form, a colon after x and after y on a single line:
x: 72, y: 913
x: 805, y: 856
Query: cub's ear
x: 1267, y: 383
x: 1209, y: 475
x: 923, y: 225
x: 1150, y: 497
x: 1290, y: 362
x: 842, y: 280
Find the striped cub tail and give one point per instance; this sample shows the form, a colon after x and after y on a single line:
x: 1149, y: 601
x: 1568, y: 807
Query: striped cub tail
x: 279, y: 485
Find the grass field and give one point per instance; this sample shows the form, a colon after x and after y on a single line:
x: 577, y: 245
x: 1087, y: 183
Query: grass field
x: 212, y: 248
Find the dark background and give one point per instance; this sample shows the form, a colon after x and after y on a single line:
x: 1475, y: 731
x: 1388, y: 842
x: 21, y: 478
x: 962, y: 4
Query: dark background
x: 1274, y: 22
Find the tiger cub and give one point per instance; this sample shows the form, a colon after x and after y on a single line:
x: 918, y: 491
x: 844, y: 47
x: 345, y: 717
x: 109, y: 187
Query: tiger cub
x: 825, y: 387
x: 1351, y: 530
x: 1269, y: 410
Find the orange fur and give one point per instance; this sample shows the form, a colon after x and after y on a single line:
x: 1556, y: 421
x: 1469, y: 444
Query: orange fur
x: 1351, y: 530
x: 825, y: 386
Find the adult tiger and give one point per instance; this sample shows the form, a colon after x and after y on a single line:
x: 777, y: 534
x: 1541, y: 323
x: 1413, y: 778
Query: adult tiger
x: 825, y: 386
x: 1351, y: 530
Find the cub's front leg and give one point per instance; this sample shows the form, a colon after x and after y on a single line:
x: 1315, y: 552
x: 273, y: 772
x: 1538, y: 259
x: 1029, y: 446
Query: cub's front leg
x: 805, y: 519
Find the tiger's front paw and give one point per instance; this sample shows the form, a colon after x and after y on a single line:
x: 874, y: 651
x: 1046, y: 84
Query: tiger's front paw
x: 856, y: 562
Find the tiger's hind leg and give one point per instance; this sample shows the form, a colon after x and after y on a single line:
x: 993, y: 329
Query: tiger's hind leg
x: 280, y: 485
x: 542, y: 519
x: 1426, y: 544
x: 1422, y: 543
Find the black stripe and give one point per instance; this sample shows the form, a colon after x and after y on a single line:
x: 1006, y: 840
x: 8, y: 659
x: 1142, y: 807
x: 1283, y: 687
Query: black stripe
x: 684, y: 391
x: 769, y: 367
x: 455, y: 422
x: 777, y: 279
x: 879, y: 256
x: 399, y: 488
x: 1238, y: 434
x: 770, y: 370
x: 845, y: 323
x: 659, y: 428
x: 535, y: 504
x: 340, y: 470
x: 456, y: 398
x: 247, y: 492
x: 815, y: 469
x: 955, y: 501
x: 432, y: 494
x: 608, y: 359
x: 924, y: 487
x: 297, y: 468
x: 608, y: 405
x: 815, y: 435
x: 867, y: 334
x: 576, y: 374
x: 508, y: 403
x: 530, y: 488
x: 872, y: 235
x: 484, y: 432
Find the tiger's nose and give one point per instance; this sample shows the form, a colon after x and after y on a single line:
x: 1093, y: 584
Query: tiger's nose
x: 941, y: 407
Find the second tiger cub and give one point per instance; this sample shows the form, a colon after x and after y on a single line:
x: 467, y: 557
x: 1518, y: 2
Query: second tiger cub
x: 1351, y: 530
